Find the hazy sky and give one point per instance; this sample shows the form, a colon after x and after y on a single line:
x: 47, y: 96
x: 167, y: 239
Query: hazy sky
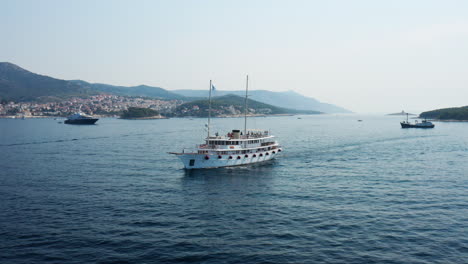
x: 367, y: 56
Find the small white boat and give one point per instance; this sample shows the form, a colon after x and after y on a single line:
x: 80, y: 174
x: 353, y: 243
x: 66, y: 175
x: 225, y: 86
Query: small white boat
x: 234, y: 149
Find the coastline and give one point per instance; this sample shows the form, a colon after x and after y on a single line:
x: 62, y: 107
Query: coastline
x: 28, y: 117
x: 250, y: 115
x: 158, y: 117
x: 241, y: 115
x: 448, y: 120
x: 144, y: 118
x: 443, y: 120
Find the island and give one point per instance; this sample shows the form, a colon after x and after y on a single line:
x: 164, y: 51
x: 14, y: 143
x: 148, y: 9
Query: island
x: 402, y: 113
x: 233, y: 106
x: 447, y: 114
x: 140, y: 113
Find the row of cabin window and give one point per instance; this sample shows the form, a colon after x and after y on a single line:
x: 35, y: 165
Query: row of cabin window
x: 236, y: 152
x: 233, y: 142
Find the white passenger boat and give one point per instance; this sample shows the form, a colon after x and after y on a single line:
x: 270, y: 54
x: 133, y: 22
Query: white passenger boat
x: 233, y: 149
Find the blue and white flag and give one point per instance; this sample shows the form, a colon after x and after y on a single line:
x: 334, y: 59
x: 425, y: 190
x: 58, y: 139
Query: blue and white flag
x: 213, y: 87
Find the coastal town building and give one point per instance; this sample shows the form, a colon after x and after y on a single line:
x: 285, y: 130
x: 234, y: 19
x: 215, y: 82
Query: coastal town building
x: 101, y: 105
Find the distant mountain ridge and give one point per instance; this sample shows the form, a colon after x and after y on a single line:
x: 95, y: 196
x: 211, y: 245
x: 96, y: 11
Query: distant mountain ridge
x: 402, y: 113
x: 229, y: 105
x: 140, y: 90
x: 289, y: 99
x: 18, y: 84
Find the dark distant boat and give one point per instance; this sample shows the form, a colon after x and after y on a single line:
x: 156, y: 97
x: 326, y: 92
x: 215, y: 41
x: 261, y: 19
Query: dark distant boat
x: 80, y: 119
x: 416, y: 124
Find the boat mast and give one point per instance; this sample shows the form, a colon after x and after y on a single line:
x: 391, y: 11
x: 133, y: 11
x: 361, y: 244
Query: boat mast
x: 245, y: 105
x: 209, y: 112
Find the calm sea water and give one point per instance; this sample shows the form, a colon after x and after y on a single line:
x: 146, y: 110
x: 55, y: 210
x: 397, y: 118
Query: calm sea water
x: 342, y: 192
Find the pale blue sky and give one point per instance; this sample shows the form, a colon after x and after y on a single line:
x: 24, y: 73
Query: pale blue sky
x: 367, y: 56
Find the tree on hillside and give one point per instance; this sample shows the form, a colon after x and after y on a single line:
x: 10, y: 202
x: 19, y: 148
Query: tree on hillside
x: 138, y: 112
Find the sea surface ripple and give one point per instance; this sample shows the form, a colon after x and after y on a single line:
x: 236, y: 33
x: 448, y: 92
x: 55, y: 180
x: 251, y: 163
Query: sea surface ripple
x: 342, y: 192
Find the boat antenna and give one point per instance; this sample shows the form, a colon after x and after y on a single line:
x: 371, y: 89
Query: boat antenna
x: 407, y: 118
x: 245, y: 105
x: 209, y: 111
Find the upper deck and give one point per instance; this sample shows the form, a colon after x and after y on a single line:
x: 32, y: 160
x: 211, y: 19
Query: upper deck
x: 236, y: 140
x: 238, y: 135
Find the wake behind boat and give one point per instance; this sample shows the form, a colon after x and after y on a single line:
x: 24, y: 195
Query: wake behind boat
x: 80, y: 119
x: 234, y: 149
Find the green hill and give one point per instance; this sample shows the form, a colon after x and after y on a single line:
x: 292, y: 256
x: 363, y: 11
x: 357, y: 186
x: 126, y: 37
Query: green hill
x: 288, y: 99
x: 18, y: 84
x: 140, y: 90
x: 138, y: 112
x: 228, y: 105
x: 454, y: 113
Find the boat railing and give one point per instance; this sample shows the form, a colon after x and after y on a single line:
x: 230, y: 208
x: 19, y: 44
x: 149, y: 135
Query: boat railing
x: 189, y: 150
x: 229, y: 147
x: 250, y: 135
x: 256, y: 134
x: 253, y: 136
x: 206, y: 146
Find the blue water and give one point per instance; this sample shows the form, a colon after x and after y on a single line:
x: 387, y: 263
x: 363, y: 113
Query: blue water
x: 342, y: 192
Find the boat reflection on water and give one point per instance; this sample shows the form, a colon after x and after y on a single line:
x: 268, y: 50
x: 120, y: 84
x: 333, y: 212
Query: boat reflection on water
x: 260, y: 170
x: 213, y: 191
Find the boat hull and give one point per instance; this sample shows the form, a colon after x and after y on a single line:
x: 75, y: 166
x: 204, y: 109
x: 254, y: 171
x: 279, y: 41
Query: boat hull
x: 90, y: 121
x: 406, y: 125
x: 200, y: 161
